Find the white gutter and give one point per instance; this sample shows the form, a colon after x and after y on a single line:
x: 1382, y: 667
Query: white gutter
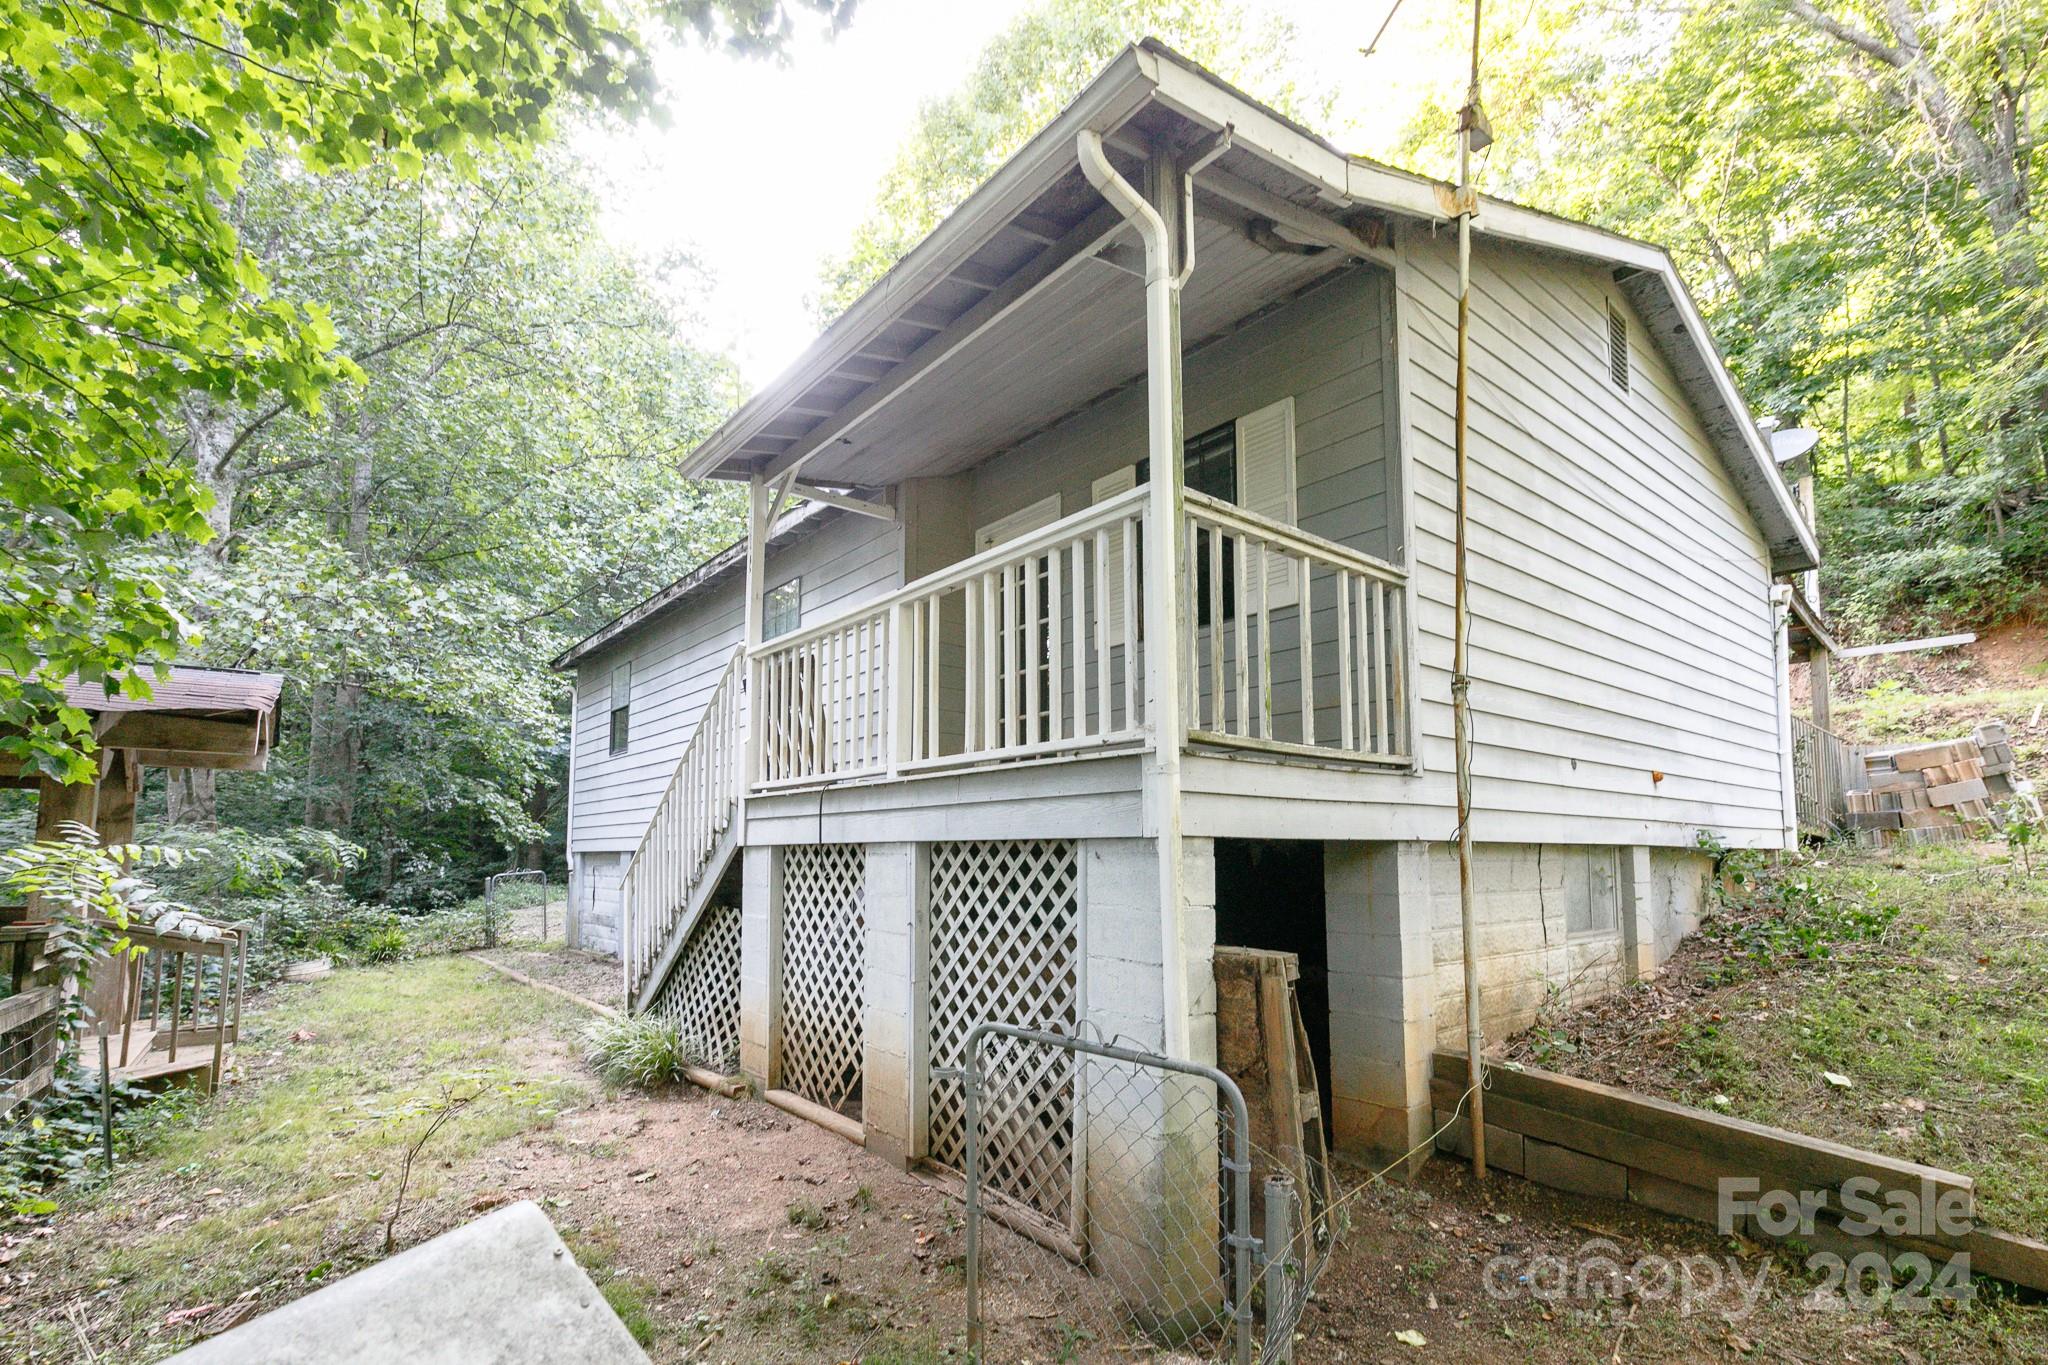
x: 1162, y: 563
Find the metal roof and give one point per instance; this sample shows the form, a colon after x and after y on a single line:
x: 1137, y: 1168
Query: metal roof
x: 187, y: 689
x: 1016, y: 307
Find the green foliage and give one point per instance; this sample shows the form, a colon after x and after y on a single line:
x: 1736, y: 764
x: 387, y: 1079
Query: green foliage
x: 134, y: 302
x: 1018, y: 84
x: 90, y: 895
x: 1858, y: 228
x: 644, y: 1050
x: 59, y: 1142
x: 2020, y: 822
x: 412, y: 556
x: 1797, y: 916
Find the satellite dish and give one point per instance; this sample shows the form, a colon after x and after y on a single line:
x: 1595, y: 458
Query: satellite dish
x: 1789, y: 445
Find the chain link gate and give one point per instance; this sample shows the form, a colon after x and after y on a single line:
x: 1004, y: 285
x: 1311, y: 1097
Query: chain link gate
x: 1162, y: 1250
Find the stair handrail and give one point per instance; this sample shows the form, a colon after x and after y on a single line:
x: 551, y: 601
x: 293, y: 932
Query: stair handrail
x: 694, y: 812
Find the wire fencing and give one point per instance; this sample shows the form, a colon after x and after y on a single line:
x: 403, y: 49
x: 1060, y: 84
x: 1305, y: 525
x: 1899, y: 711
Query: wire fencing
x: 502, y: 894
x: 1146, y: 1219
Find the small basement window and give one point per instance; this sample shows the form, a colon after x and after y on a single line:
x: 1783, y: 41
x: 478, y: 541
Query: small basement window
x: 622, y: 705
x: 783, y: 609
x: 1617, y: 348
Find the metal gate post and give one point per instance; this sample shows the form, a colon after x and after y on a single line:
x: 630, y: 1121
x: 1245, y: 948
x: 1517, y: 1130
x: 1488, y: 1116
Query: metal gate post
x: 1281, y: 1313
x: 1241, y: 1239
x: 970, y: 1084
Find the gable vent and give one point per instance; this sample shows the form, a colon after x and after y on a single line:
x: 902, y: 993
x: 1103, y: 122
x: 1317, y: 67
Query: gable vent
x: 1617, y: 348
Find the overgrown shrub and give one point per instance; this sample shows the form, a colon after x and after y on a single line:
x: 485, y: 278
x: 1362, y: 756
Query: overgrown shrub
x: 644, y: 1050
x: 1794, y: 916
x: 58, y: 1141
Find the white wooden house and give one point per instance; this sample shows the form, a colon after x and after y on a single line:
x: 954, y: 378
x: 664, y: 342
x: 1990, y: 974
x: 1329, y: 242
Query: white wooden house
x: 1097, y: 607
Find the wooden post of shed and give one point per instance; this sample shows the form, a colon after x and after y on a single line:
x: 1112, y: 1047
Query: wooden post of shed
x: 1817, y: 661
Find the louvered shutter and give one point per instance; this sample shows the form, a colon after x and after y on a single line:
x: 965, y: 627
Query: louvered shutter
x: 1265, y: 485
x: 1102, y: 490
x: 1044, y: 512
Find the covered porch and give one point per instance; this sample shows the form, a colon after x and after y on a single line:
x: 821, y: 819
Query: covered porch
x: 1026, y: 396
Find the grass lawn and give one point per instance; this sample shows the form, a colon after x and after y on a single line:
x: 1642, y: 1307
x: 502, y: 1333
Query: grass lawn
x: 1919, y: 974
x: 287, y: 1180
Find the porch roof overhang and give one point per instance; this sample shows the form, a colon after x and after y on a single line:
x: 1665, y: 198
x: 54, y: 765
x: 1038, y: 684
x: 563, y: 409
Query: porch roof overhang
x: 1019, y: 309
x: 1808, y: 629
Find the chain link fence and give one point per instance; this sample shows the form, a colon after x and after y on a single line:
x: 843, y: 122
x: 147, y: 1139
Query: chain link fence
x: 1146, y: 1220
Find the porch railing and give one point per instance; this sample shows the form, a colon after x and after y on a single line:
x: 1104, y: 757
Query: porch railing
x: 1035, y: 648
x: 1042, y: 634
x: 1293, y: 642
x: 696, y: 810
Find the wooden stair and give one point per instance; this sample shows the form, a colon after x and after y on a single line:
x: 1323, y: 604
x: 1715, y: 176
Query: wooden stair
x: 150, y: 1064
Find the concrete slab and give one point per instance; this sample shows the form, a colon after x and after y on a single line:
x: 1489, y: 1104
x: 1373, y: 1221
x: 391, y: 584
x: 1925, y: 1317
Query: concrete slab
x: 502, y: 1290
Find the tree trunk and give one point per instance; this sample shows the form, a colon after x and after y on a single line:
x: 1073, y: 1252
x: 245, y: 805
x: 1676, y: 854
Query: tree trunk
x: 209, y: 434
x: 1909, y: 413
x: 189, y: 798
x: 333, y: 755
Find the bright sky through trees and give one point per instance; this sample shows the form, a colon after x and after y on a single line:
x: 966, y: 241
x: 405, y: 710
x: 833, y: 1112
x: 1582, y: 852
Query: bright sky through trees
x: 763, y: 171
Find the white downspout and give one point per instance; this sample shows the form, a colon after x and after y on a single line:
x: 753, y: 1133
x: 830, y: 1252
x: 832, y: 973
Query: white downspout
x: 1162, y: 563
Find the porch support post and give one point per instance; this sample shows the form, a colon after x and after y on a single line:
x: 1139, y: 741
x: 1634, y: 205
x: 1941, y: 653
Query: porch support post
x: 895, y: 1009
x: 1157, y: 214
x: 757, y: 565
x: 761, y: 965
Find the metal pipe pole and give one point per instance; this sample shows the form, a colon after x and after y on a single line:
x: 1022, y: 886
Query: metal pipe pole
x: 1461, y: 680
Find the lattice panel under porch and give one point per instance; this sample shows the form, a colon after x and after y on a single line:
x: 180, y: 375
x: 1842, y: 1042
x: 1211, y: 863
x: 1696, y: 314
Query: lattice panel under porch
x: 1005, y: 946
x: 823, y: 960
x: 702, y: 993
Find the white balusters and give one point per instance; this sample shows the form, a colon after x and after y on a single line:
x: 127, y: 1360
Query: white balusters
x: 1339, y: 651
x: 695, y: 811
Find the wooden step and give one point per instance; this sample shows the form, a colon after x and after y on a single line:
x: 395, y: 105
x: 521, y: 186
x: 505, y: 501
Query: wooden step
x: 155, y: 1071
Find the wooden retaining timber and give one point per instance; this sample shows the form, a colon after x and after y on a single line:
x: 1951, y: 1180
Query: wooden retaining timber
x: 732, y: 1087
x: 1612, y: 1143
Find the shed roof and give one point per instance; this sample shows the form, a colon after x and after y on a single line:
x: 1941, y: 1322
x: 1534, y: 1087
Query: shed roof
x: 198, y: 691
x: 1012, y: 304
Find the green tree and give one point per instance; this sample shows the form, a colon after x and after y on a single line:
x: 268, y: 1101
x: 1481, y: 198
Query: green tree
x: 1024, y: 78
x: 501, y: 480
x: 1846, y: 188
x: 130, y: 301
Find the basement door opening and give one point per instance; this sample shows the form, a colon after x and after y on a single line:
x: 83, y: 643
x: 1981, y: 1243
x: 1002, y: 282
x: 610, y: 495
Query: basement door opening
x: 1269, y: 894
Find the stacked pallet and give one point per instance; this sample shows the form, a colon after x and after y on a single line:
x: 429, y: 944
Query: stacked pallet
x: 1932, y: 791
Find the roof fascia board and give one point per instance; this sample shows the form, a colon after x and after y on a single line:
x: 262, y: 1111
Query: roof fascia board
x: 1661, y: 296
x: 1110, y: 99
x: 1312, y: 227
x: 1198, y: 98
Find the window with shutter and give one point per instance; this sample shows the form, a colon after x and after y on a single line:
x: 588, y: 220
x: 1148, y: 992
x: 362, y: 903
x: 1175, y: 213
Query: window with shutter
x: 1025, y: 520
x: 1265, y: 484
x: 782, y: 609
x: 1033, y: 579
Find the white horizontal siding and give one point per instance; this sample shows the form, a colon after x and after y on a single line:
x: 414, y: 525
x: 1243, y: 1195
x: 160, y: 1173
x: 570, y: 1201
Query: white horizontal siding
x: 1621, y: 621
x: 676, y: 662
